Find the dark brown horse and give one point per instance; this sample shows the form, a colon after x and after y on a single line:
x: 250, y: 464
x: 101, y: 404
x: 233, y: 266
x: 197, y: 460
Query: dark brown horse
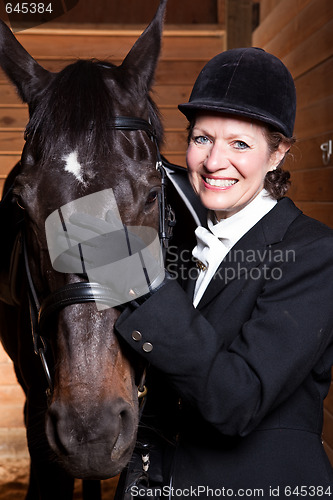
x: 87, y: 426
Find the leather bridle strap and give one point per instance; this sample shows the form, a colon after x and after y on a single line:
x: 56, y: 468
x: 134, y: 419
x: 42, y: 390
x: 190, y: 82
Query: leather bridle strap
x: 74, y: 293
x: 132, y: 123
x: 166, y: 214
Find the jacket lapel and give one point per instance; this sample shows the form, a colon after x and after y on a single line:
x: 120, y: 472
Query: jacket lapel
x: 250, y: 251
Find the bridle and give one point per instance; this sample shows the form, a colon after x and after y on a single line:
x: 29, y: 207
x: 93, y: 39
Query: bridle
x: 85, y: 292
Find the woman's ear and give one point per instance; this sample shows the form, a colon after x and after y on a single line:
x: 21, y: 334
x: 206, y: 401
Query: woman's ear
x: 278, y: 156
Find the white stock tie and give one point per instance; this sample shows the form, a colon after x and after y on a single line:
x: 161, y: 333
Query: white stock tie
x: 209, y: 251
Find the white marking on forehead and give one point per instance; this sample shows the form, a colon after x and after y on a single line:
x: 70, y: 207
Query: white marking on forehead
x: 73, y: 166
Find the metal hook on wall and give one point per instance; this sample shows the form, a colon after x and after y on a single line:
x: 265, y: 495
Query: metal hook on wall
x: 327, y: 149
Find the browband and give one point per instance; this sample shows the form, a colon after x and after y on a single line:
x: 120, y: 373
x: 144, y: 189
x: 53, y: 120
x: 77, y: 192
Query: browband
x: 132, y: 123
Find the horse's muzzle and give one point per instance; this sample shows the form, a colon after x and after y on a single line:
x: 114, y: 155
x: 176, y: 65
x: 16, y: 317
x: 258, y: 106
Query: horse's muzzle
x: 92, y: 445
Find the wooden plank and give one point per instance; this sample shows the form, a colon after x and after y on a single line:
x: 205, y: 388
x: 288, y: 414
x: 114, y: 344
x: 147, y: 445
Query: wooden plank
x: 315, y: 85
x: 175, y: 141
x: 180, y: 71
x: 13, y: 117
x: 7, y: 162
x: 8, y: 94
x: 13, y: 443
x: 312, y: 51
x: 173, y: 118
x: 307, y: 154
x: 273, y: 21
x: 11, y: 141
x: 315, y: 119
x: 312, y: 185
x: 239, y: 23
x: 221, y: 13
x: 320, y: 211
x: 11, y: 395
x: 54, y: 43
x: 176, y: 158
x: 7, y: 374
x: 301, y: 27
x: 11, y: 416
x: 266, y: 7
x: 171, y: 94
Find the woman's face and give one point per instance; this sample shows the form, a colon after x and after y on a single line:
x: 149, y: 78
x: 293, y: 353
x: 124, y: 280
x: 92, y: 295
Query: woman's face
x: 228, y: 159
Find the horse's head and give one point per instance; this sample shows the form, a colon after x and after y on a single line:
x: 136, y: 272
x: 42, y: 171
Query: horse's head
x: 72, y: 150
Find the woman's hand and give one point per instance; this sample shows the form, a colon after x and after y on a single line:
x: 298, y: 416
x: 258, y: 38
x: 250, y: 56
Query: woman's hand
x: 126, y: 259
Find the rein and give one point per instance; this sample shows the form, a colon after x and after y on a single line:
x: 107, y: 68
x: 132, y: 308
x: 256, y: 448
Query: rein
x: 85, y: 292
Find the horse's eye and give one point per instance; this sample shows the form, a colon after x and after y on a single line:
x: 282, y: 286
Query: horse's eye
x: 152, y: 197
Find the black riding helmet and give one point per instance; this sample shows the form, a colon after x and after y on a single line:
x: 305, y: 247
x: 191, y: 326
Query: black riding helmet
x: 246, y: 82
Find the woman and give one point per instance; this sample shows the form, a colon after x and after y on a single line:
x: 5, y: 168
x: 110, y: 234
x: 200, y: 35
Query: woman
x: 240, y: 358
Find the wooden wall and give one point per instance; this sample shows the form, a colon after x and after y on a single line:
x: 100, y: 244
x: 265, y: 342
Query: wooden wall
x: 301, y: 34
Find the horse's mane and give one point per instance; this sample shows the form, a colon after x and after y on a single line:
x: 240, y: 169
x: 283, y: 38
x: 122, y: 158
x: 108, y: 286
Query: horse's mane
x: 77, y: 108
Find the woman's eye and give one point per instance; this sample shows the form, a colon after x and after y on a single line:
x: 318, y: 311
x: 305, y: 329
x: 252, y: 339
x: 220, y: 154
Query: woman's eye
x: 241, y: 145
x: 201, y: 139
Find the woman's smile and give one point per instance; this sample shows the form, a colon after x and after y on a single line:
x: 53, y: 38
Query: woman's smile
x: 218, y: 182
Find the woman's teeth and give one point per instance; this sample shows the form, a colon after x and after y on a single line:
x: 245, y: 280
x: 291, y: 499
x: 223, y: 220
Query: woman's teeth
x: 220, y: 182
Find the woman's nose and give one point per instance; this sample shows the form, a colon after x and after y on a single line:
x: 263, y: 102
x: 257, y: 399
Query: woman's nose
x: 216, y: 158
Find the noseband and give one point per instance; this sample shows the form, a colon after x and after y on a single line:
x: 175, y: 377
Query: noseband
x: 84, y: 292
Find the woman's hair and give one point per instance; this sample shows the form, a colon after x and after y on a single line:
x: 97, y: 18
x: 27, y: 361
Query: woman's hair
x: 277, y: 182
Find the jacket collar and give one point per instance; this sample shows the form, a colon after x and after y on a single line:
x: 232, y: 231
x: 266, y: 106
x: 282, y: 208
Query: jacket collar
x: 249, y: 251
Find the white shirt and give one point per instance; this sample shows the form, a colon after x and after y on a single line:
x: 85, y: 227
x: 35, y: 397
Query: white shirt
x: 214, y: 243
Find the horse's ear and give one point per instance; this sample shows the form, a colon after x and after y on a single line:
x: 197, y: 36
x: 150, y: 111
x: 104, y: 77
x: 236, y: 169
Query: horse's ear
x: 143, y: 56
x: 20, y: 67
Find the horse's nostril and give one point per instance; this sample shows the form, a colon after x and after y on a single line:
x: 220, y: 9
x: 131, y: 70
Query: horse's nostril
x: 126, y: 433
x: 53, y: 430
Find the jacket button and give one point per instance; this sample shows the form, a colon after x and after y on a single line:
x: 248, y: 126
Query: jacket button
x: 147, y: 347
x: 136, y: 335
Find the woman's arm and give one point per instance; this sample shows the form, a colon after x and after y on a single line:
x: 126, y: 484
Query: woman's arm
x: 235, y: 386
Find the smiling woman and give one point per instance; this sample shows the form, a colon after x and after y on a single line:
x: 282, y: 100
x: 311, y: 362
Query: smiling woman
x: 228, y: 159
x: 239, y: 363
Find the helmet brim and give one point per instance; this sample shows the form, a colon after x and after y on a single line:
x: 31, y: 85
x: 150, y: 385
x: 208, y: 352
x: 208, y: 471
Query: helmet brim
x: 190, y: 109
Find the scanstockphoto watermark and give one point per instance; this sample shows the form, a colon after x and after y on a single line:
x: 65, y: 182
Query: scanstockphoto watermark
x: 195, y: 491
x: 253, y: 264
x: 222, y: 492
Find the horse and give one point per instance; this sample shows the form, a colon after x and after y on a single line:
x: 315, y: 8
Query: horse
x: 93, y: 126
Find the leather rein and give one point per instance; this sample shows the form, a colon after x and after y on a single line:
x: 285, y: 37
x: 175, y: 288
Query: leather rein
x: 85, y: 292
